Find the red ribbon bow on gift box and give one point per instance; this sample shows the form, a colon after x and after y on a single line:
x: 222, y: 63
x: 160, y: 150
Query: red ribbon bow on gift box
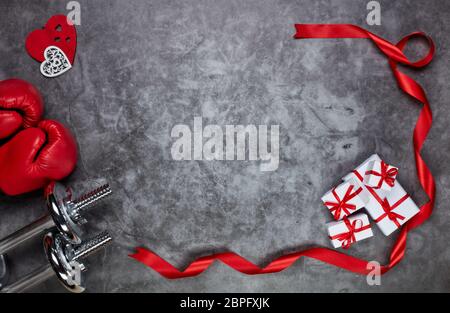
x: 389, y: 213
x: 387, y: 208
x: 386, y: 174
x: 348, y: 238
x: 342, y: 205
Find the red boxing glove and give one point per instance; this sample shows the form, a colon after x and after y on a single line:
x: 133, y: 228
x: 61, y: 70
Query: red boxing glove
x: 35, y: 157
x: 21, y: 106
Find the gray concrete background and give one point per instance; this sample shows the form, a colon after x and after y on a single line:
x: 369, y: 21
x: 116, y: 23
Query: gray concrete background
x: 143, y: 66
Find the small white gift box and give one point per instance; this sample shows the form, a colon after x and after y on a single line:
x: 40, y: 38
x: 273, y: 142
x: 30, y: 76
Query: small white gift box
x: 380, y: 175
x: 362, y: 168
x: 350, y: 230
x: 344, y: 199
x: 357, y: 175
x: 394, y: 211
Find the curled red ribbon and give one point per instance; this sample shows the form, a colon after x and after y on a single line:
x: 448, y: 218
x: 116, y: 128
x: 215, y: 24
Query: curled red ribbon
x: 343, y: 205
x: 348, y: 238
x: 386, y: 175
x: 406, y: 84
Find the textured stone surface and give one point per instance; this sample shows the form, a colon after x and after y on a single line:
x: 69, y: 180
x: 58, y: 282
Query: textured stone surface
x: 144, y: 66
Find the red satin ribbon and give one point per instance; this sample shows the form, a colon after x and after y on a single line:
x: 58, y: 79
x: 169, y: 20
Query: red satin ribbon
x: 343, y: 205
x: 348, y: 238
x: 410, y: 87
x: 386, y: 175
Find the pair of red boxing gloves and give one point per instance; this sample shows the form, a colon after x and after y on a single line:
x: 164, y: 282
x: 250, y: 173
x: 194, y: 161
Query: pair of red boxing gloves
x: 33, y: 152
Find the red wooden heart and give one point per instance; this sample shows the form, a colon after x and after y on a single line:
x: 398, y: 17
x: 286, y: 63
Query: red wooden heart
x: 57, y: 32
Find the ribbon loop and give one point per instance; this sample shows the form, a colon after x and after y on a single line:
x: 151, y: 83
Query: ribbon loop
x: 386, y: 175
x: 427, y: 58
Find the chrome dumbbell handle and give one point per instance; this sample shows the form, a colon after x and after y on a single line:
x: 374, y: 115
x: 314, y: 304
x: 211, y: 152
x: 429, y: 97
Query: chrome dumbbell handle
x: 63, y: 258
x: 30, y: 231
x: 65, y: 214
x: 34, y: 278
x: 4, y: 271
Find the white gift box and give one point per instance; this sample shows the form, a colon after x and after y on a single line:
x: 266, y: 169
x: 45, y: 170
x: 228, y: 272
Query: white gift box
x: 380, y: 175
x: 344, y: 199
x: 394, y: 211
x: 354, y: 228
x: 370, y: 202
x: 362, y: 168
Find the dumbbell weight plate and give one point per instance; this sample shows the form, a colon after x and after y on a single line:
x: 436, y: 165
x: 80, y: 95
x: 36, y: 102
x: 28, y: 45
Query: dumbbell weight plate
x: 59, y: 211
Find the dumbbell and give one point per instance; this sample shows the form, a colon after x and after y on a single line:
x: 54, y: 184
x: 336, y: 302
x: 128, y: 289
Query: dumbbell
x: 64, y: 261
x: 3, y: 271
x: 63, y: 212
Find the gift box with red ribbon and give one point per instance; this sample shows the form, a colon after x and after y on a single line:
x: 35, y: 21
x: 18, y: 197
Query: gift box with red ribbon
x: 349, y: 230
x: 359, y: 172
x: 344, y: 199
x: 389, y: 209
x: 394, y: 210
x: 357, y: 175
x: 380, y: 175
